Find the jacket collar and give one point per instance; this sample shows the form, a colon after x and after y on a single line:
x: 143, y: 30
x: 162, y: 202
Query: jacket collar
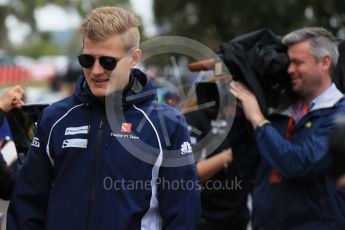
x: 326, y: 100
x: 139, y: 90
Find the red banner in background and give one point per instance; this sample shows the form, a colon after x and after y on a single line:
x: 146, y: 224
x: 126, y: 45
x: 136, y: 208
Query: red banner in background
x: 13, y: 74
x: 10, y: 75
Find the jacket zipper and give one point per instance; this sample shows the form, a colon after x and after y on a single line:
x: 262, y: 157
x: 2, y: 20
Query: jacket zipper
x: 94, y: 175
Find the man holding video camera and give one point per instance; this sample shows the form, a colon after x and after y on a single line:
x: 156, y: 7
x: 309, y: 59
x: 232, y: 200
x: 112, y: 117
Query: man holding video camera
x: 294, y: 189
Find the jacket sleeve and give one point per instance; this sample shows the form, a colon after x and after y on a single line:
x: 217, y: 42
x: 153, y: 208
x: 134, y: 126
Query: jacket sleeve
x: 28, y: 205
x: 307, y: 158
x: 7, y: 180
x: 178, y: 187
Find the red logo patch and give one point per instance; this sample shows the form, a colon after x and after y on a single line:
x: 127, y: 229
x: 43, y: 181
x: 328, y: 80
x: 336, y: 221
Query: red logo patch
x: 275, y: 177
x: 126, y: 127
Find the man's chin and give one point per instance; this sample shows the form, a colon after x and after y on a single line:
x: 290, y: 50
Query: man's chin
x: 300, y: 93
x: 296, y: 90
x: 105, y: 92
x: 99, y: 93
x: 115, y: 90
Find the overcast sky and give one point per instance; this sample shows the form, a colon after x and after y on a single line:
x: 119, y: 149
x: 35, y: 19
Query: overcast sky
x: 54, y: 18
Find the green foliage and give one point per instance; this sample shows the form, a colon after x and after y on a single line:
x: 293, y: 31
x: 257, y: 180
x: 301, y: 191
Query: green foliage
x: 36, y: 50
x: 214, y: 22
x: 39, y: 47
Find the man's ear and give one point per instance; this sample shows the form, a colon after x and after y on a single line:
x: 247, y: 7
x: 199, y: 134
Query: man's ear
x: 326, y: 62
x: 136, y: 55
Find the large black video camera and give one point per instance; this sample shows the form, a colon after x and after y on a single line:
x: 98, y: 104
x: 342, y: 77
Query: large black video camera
x: 259, y: 60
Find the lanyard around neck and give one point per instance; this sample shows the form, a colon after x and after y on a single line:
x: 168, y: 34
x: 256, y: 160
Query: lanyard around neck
x: 292, y: 121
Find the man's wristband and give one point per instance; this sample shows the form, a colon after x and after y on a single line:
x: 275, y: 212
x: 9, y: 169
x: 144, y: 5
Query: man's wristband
x: 263, y: 122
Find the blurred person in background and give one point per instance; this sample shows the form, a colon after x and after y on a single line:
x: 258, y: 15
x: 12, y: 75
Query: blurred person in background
x: 12, y: 98
x: 171, y: 98
x: 79, y: 172
x: 294, y: 188
x: 225, y: 188
x: 63, y: 84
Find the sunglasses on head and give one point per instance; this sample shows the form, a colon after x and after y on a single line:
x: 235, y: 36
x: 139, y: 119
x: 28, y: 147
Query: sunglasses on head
x: 108, y: 63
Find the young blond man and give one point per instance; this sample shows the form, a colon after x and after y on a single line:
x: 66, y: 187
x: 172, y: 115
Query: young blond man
x: 94, y: 169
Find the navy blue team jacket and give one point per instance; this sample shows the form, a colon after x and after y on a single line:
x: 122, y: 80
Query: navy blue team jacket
x: 94, y: 168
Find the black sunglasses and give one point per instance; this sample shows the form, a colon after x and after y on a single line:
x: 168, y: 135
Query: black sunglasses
x: 108, y: 63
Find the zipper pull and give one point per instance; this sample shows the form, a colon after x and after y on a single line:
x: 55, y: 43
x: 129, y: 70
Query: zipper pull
x: 101, y: 123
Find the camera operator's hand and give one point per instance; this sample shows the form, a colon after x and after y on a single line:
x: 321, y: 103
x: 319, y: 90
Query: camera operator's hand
x: 248, y: 102
x: 12, y: 98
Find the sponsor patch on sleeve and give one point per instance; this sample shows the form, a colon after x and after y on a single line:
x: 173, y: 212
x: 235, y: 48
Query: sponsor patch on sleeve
x: 35, y: 142
x: 186, y: 148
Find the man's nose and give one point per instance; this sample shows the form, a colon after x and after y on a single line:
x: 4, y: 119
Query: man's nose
x: 291, y: 69
x: 97, y: 68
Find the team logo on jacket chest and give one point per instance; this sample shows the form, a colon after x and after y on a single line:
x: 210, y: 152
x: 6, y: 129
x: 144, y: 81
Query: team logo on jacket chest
x: 126, y: 127
x: 125, y: 132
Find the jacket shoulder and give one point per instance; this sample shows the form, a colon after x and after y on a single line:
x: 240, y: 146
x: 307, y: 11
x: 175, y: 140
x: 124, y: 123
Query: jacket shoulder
x: 167, y: 110
x: 164, y: 115
x: 341, y: 104
x: 56, y: 110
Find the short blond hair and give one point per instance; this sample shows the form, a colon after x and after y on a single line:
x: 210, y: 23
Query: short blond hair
x: 104, y: 22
